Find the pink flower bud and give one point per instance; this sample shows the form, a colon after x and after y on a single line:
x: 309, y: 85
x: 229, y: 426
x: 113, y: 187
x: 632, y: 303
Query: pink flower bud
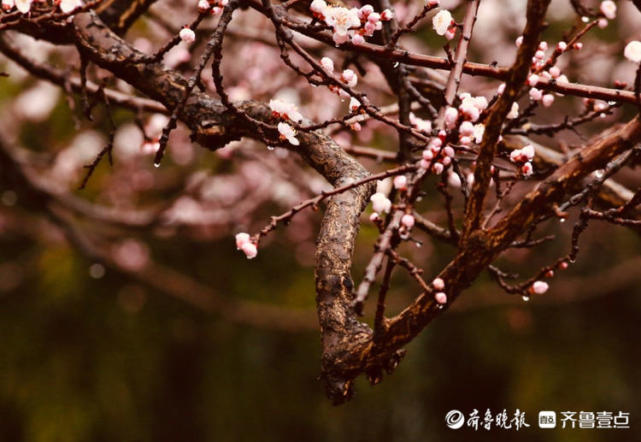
x: 358, y: 39
x: 448, y: 151
x: 536, y: 94
x: 203, y: 6
x: 451, y: 115
x: 438, y: 284
x: 428, y: 155
x: 407, y: 220
x: 241, y: 239
x: 250, y: 250
x: 555, y: 71
x: 387, y: 15
x: 533, y: 80
x: 400, y: 182
x: 547, y: 100
x: 437, y: 168
x: 373, y: 17
x: 540, y: 287
x: 519, y: 41
x: 327, y: 64
x: 441, y: 298
x: 187, y: 35
x: 561, y: 46
x: 466, y: 129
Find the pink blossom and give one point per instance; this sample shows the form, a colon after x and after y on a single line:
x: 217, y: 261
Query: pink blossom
x: 400, y: 182
x: 547, y: 100
x: 380, y: 203
x: 540, y: 287
x: 535, y: 94
x: 67, y: 6
x: 442, y: 21
x: 242, y: 238
x: 250, y: 250
x: 451, y: 115
x: 349, y: 77
x: 327, y: 64
x: 203, y: 6
x: 288, y: 133
x: 441, y: 298
x: 438, y: 284
x: 358, y: 39
x: 23, y: 5
x: 408, y: 220
x: 632, y: 51
x: 187, y: 35
x: 609, y: 9
x: 514, y: 111
x: 466, y: 128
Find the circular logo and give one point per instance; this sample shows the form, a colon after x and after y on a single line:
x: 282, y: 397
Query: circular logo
x: 454, y: 419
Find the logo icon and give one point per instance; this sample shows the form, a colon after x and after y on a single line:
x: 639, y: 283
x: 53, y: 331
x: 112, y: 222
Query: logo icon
x: 454, y: 419
x: 547, y: 419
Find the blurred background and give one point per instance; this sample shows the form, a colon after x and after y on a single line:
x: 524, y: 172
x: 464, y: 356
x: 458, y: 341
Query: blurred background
x: 127, y: 314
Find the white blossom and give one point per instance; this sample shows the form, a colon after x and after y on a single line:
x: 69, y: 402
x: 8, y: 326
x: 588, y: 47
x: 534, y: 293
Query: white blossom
x: 69, y: 5
x: 380, y: 203
x: 632, y: 51
x: 442, y: 21
x: 609, y: 9
x: 288, y: 133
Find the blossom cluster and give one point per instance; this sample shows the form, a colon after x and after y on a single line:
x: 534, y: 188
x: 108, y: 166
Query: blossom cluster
x: 288, y: 112
x: 24, y: 6
x: 214, y: 6
x: 350, y: 24
x: 523, y: 158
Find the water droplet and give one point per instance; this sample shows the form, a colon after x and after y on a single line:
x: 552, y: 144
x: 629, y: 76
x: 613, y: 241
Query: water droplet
x: 418, y: 244
x: 585, y: 19
x: 396, y: 65
x: 562, y: 220
x: 526, y: 298
x: 598, y: 173
x: 270, y: 147
x: 612, y: 103
x: 157, y: 164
